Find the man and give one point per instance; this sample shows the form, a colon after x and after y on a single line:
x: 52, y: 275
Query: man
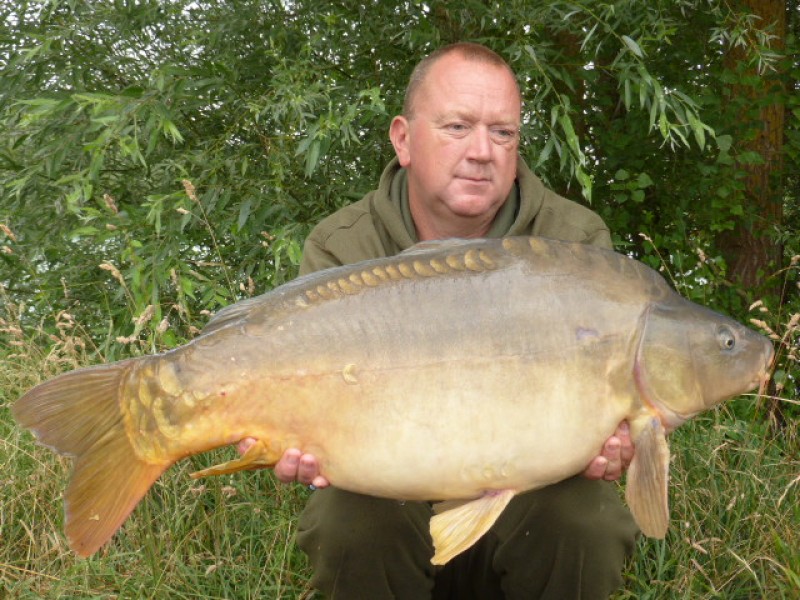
x: 458, y: 174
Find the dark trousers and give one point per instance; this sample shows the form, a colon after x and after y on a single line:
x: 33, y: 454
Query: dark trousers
x: 566, y: 541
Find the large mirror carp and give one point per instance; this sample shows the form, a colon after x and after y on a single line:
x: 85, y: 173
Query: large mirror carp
x: 460, y: 371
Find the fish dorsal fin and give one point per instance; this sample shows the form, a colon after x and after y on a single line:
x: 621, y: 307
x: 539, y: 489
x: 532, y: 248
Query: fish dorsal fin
x: 446, y: 244
x: 230, y: 314
x: 456, y: 529
x: 648, y: 476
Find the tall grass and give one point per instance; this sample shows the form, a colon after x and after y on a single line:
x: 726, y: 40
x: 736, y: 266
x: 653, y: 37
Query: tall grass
x: 735, y: 530
x: 226, y: 537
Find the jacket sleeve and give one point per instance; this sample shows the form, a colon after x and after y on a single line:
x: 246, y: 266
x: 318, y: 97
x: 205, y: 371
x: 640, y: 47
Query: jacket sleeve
x: 600, y: 237
x: 316, y: 257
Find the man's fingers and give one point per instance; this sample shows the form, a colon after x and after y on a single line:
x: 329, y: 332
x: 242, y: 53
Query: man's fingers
x: 307, y: 470
x: 287, y: 467
x: 626, y: 444
x: 596, y: 468
x: 293, y: 466
x: 611, y: 452
x: 320, y: 482
x: 244, y: 445
x: 608, y: 465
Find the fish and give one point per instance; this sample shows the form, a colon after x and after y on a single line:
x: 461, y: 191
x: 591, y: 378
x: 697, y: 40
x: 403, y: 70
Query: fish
x: 461, y: 372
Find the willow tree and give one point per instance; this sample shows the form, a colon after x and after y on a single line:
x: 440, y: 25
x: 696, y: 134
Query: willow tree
x: 161, y: 159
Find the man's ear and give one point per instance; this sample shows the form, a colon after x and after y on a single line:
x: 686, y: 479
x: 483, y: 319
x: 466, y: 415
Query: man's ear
x: 400, y: 134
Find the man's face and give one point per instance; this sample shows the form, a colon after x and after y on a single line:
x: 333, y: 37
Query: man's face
x: 460, y: 146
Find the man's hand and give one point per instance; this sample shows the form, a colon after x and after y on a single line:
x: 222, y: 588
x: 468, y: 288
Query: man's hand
x: 616, y: 456
x: 293, y: 466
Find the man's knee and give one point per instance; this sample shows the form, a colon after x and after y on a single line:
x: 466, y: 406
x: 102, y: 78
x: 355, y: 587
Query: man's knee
x: 363, y: 545
x: 569, y: 540
x: 576, y: 509
x: 363, y: 523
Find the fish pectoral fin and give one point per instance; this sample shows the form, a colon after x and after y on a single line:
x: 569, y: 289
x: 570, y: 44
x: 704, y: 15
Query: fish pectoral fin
x: 456, y: 529
x: 258, y: 456
x: 646, y: 489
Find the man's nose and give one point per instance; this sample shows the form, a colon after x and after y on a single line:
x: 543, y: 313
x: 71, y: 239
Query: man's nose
x: 480, y: 145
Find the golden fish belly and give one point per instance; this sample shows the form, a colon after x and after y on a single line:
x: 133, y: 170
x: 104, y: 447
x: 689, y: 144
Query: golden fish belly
x: 455, y: 431
x: 442, y: 430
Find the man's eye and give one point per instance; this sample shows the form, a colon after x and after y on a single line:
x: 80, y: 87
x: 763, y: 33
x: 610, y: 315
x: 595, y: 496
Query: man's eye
x: 456, y: 127
x: 503, y: 133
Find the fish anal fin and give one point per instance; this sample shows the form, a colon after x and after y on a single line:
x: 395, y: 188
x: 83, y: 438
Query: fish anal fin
x: 647, y: 483
x: 456, y: 529
x: 258, y: 456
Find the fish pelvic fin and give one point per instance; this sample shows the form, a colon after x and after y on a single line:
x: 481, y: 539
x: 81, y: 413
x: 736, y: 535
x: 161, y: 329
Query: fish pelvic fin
x: 647, y: 483
x: 78, y: 414
x: 456, y: 529
x: 258, y: 456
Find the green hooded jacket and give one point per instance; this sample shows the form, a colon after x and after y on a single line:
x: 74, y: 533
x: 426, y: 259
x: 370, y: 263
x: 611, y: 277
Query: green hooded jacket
x: 380, y: 223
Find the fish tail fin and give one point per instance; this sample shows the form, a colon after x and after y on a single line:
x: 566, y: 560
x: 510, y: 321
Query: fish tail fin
x: 78, y: 414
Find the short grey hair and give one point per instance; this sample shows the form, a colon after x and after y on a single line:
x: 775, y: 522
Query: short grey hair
x: 469, y: 51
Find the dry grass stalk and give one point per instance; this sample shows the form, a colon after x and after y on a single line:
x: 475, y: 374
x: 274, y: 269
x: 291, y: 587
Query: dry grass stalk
x: 110, y: 203
x: 190, y: 190
x: 115, y: 273
x: 7, y: 230
x: 145, y: 317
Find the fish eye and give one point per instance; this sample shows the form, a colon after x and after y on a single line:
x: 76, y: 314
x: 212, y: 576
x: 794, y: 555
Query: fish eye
x: 726, y: 338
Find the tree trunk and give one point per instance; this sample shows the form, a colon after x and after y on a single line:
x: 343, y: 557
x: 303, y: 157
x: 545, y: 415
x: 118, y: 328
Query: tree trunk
x: 749, y: 250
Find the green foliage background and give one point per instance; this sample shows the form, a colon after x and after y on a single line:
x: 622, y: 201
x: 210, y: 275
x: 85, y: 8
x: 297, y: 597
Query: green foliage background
x: 277, y: 113
x: 159, y: 160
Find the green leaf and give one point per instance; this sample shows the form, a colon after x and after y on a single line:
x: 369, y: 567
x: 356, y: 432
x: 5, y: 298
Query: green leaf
x: 586, y: 183
x: 244, y: 213
x: 546, y: 151
x: 724, y: 142
x: 698, y: 129
x: 663, y: 125
x: 86, y: 230
x: 627, y: 94
x: 633, y: 46
x: 294, y: 252
x: 282, y: 102
x: 312, y: 156
x: 171, y: 131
